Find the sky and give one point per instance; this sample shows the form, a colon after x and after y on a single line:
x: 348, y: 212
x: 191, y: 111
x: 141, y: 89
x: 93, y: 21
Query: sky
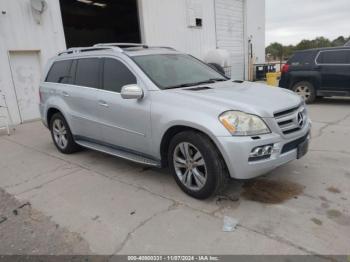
x: 290, y: 21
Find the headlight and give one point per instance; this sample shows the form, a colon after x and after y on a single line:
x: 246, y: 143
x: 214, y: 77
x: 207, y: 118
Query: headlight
x: 243, y: 124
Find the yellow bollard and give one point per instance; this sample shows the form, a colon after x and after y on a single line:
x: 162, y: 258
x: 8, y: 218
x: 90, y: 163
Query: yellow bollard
x: 272, y: 78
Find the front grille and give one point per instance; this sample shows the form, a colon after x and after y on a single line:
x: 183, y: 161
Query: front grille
x: 291, y: 120
x: 293, y: 145
x: 286, y: 112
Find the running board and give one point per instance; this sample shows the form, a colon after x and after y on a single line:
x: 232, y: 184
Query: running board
x: 119, y: 153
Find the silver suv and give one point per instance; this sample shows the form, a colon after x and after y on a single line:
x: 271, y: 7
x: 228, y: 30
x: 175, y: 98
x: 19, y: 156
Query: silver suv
x: 159, y: 107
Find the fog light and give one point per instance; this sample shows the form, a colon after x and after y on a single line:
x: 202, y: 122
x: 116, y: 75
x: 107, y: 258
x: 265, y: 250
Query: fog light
x: 261, y: 153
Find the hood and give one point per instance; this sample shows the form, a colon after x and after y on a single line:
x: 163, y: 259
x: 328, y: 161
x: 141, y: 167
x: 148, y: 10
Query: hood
x: 253, y: 98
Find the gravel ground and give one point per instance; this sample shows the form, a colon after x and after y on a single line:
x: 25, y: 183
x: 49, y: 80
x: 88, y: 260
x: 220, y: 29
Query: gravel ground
x: 24, y: 230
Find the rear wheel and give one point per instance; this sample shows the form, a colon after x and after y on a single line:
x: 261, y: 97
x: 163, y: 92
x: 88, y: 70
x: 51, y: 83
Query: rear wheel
x: 306, y: 90
x: 61, y: 135
x: 196, y: 164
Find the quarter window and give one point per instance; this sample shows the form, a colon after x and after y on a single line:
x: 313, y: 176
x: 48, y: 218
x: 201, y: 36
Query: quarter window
x: 116, y: 75
x: 87, y: 72
x: 334, y: 57
x: 60, y: 72
x: 302, y: 58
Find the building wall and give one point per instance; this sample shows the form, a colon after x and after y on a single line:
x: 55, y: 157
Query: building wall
x: 227, y: 24
x: 255, y: 26
x: 165, y: 23
x: 230, y: 33
x: 19, y: 31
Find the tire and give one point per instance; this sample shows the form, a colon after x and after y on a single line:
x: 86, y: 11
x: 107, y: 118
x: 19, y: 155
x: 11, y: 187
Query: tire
x: 69, y: 146
x: 306, y: 90
x: 214, y: 176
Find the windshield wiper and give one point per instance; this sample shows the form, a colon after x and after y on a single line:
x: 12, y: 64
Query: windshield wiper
x: 218, y: 79
x: 181, y: 85
x: 209, y: 81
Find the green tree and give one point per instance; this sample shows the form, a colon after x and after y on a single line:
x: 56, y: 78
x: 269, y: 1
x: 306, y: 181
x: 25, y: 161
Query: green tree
x: 275, y: 50
x: 304, y: 44
x: 340, y: 41
x: 288, y: 51
x: 320, y: 42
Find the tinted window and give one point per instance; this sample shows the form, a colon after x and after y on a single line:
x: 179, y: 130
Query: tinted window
x: 334, y: 57
x: 59, y: 72
x: 302, y: 58
x: 87, y: 72
x: 116, y: 75
x: 176, y: 70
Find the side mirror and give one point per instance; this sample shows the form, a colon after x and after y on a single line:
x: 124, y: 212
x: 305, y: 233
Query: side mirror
x: 131, y: 92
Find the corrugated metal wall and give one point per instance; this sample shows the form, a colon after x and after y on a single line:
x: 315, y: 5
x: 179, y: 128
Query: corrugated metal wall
x: 165, y: 22
x: 230, y: 32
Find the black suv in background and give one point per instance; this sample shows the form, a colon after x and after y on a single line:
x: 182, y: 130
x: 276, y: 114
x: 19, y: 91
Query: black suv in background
x: 318, y: 73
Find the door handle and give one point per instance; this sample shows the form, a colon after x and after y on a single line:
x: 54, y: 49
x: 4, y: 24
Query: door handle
x: 103, y: 103
x: 65, y: 94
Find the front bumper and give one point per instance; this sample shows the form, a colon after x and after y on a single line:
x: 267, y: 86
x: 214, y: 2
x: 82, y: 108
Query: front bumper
x: 236, y: 150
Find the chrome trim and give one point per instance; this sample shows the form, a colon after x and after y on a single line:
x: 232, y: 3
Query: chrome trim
x: 298, y: 119
x: 323, y: 51
x: 119, y: 153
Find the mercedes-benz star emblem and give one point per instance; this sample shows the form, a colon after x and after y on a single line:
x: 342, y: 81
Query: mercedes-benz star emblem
x: 300, y: 119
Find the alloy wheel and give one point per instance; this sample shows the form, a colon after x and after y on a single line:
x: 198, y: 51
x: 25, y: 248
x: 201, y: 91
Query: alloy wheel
x: 60, y: 133
x: 303, y: 91
x: 190, y: 166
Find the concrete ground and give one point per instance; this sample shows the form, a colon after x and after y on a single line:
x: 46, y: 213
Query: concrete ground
x: 90, y: 202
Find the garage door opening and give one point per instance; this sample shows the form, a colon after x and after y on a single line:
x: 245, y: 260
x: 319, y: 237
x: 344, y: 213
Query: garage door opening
x: 88, y: 22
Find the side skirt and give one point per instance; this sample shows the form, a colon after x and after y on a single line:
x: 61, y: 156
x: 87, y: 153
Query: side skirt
x: 118, y: 152
x: 332, y: 93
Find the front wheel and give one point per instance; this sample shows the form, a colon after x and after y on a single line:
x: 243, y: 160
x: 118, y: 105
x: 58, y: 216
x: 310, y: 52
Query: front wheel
x: 196, y: 164
x: 306, y: 90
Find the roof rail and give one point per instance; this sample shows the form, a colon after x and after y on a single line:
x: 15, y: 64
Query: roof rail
x: 132, y: 45
x: 121, y: 45
x: 109, y: 46
x: 75, y: 50
x: 164, y: 47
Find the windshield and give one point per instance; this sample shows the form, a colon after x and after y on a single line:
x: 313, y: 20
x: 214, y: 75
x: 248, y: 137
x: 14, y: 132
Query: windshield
x: 177, y: 70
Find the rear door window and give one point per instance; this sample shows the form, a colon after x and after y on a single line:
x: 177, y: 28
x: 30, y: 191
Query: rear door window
x: 116, y: 75
x: 339, y: 57
x: 302, y: 58
x: 60, y: 72
x: 87, y: 72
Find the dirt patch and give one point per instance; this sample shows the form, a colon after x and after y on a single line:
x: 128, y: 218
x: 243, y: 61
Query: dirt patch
x: 325, y: 205
x: 332, y: 213
x: 333, y: 190
x: 338, y: 217
x: 323, y: 198
x: 270, y: 191
x: 26, y: 231
x: 316, y: 221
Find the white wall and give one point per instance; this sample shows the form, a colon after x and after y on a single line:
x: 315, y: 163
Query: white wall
x: 230, y: 33
x: 20, y: 31
x: 227, y: 24
x: 164, y: 22
x: 255, y: 26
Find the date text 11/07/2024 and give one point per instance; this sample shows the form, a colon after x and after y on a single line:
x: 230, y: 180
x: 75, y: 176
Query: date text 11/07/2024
x: 173, y: 258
